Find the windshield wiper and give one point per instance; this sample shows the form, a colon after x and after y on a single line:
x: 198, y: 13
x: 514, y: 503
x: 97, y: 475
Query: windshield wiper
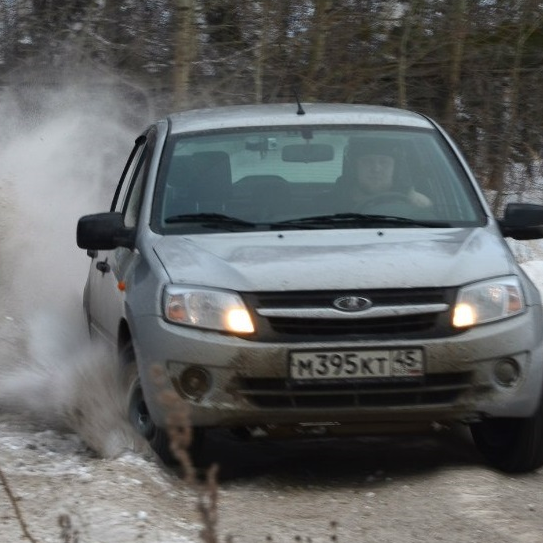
x: 354, y: 219
x: 210, y: 220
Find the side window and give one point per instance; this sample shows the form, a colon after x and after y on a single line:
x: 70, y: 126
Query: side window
x: 130, y: 190
x: 132, y: 203
x: 130, y: 168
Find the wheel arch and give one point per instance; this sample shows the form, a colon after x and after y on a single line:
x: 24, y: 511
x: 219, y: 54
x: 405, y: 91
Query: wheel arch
x: 124, y: 338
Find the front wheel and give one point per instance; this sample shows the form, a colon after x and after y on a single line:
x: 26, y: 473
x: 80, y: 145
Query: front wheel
x: 512, y: 445
x: 141, y: 420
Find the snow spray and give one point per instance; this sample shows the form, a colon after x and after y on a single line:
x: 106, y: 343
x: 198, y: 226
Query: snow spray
x: 61, y: 154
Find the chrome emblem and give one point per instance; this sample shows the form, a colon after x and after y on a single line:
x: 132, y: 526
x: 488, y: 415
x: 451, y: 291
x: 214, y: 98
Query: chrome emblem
x: 352, y: 303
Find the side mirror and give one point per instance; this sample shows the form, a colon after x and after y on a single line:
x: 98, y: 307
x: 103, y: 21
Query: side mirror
x: 104, y: 232
x: 522, y: 221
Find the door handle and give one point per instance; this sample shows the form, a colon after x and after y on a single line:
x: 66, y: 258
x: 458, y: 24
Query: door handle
x: 103, y: 266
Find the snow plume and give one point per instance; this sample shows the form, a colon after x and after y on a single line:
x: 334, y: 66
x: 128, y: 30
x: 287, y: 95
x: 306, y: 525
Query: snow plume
x: 61, y: 154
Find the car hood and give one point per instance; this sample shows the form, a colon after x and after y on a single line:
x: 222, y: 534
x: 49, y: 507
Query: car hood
x: 335, y: 259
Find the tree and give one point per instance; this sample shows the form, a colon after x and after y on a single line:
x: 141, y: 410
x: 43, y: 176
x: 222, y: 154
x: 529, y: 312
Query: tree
x: 185, y: 51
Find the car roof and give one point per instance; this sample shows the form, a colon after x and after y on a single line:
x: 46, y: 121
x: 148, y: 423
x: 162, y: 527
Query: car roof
x: 225, y: 117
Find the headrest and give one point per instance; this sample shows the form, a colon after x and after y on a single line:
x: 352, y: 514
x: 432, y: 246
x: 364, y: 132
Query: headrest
x: 251, y: 184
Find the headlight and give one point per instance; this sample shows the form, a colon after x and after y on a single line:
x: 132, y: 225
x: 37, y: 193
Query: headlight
x: 206, y: 308
x: 488, y: 301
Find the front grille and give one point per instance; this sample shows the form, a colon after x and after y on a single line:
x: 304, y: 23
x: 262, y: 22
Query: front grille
x: 439, y: 389
x: 390, y: 325
x: 325, y: 298
x: 292, y: 327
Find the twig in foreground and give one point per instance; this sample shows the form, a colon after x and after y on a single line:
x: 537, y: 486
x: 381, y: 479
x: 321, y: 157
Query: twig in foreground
x: 15, y: 506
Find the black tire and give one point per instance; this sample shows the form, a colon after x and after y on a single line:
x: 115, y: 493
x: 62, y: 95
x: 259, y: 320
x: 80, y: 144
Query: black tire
x: 512, y: 445
x: 141, y: 419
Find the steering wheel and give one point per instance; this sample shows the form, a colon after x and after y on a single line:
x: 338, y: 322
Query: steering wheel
x: 385, y: 198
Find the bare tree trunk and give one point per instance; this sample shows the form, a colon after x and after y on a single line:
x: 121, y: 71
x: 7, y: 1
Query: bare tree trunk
x: 185, y: 50
x: 459, y: 31
x: 403, y: 54
x: 261, y: 51
x: 317, y: 47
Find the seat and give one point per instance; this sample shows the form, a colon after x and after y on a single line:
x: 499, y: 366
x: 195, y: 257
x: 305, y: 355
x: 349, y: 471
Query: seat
x: 267, y: 195
x: 198, y: 183
x: 210, y: 183
x: 179, y: 169
x: 177, y: 181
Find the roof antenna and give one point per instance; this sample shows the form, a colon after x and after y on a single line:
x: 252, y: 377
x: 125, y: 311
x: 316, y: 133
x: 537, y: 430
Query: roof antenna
x: 300, y: 108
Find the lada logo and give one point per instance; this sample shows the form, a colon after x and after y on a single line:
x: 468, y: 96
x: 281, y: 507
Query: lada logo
x: 352, y: 303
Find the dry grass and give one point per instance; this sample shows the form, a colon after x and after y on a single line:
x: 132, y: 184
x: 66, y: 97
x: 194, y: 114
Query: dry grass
x: 68, y: 533
x: 179, y: 428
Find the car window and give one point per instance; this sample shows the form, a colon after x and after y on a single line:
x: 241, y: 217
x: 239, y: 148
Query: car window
x: 273, y: 175
x: 130, y: 190
x: 133, y: 200
x: 124, y: 184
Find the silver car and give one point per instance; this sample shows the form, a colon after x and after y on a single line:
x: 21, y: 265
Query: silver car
x: 256, y: 257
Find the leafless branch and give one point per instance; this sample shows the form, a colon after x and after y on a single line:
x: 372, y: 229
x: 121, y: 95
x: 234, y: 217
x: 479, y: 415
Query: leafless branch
x: 13, y: 500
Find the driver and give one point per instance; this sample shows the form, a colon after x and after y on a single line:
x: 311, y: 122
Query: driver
x: 374, y: 175
x: 375, y: 172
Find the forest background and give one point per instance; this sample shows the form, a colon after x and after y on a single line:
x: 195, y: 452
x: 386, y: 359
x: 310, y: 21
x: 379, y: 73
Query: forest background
x: 475, y: 66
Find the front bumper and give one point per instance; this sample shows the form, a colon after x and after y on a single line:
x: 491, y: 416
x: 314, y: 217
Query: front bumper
x: 250, y: 385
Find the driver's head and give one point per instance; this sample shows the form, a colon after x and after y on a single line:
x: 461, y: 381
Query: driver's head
x: 374, y: 172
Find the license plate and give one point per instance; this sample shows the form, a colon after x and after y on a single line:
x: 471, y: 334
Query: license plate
x: 356, y: 364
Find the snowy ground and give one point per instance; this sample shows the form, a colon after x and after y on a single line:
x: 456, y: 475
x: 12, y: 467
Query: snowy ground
x: 372, y: 491
x: 67, y: 453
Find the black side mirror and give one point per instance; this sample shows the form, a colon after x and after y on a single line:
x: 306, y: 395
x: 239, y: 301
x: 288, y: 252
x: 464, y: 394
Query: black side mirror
x: 104, y: 232
x: 522, y: 221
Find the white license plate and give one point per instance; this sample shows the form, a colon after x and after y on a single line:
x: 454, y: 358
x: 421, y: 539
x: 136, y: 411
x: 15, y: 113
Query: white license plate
x: 356, y: 364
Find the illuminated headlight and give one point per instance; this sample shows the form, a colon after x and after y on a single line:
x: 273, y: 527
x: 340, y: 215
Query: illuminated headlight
x: 205, y: 308
x: 488, y: 301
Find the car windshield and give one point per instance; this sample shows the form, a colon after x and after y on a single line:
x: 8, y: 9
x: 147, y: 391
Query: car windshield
x: 311, y: 177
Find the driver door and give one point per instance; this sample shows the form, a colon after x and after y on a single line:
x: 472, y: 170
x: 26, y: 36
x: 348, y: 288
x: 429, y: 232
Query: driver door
x: 105, y: 287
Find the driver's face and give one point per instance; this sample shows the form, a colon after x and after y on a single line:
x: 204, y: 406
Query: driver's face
x: 374, y: 173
